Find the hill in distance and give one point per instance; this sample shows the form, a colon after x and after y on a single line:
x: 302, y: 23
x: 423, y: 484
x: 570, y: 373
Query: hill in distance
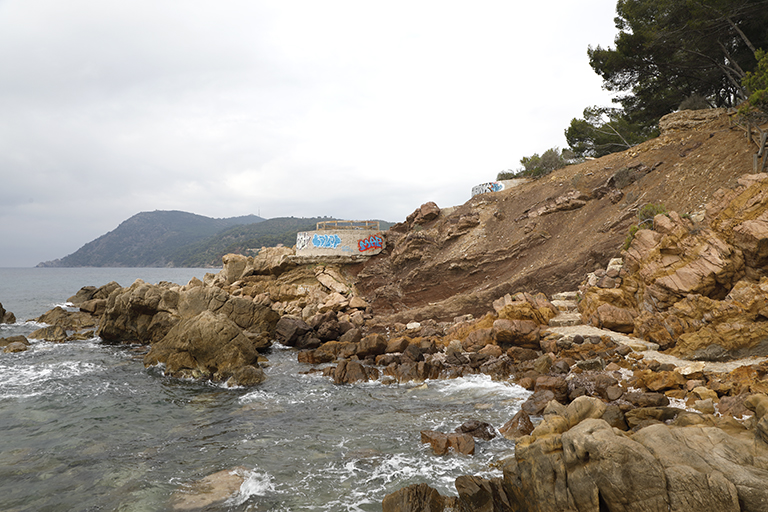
x: 182, y: 239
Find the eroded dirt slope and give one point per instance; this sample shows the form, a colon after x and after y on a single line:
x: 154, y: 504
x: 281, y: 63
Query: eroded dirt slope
x: 547, y: 234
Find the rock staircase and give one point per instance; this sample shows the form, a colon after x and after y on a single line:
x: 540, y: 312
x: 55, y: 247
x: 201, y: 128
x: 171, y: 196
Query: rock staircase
x: 567, y: 304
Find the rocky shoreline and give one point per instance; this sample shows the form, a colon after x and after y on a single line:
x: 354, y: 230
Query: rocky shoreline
x: 649, y: 388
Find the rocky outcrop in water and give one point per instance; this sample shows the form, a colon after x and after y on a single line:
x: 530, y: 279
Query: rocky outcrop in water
x: 6, y: 317
x: 208, y: 346
x: 14, y: 344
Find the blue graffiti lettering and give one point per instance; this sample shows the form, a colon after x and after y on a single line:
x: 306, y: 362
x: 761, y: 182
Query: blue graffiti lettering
x: 326, y: 241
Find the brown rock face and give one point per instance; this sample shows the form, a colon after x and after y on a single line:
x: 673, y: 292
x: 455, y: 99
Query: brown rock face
x: 520, y: 425
x: 442, y: 443
x: 6, y: 317
x: 208, y: 345
x: 414, y: 498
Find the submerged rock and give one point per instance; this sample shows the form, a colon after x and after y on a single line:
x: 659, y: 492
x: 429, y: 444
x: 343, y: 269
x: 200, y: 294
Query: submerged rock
x: 212, y: 490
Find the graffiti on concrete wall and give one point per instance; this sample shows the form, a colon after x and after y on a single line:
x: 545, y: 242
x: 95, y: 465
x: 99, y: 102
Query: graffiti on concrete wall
x: 326, y: 241
x: 302, y: 241
x: 484, y: 188
x: 372, y: 242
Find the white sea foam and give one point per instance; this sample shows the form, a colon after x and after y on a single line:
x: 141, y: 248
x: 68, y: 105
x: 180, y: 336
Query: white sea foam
x: 255, y: 484
x: 480, y: 386
x: 21, y: 381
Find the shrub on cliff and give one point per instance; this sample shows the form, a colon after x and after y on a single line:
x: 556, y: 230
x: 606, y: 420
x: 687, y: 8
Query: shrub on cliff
x: 645, y: 217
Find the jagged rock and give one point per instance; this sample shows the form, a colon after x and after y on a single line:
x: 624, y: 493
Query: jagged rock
x: 349, y: 372
x: 289, y: 330
x: 613, y: 318
x: 441, y: 443
x: 478, y: 429
x: 521, y: 333
x: 425, y: 213
x: 51, y: 333
x: 520, y: 425
x: 477, y: 494
x: 208, y: 346
x: 71, y: 320
x: 372, y: 345
x: 414, y: 498
x: 397, y: 345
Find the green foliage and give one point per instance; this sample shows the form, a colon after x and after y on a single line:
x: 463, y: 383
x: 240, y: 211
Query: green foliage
x: 506, y: 175
x: 669, y: 50
x: 645, y: 217
x: 605, y: 130
x: 756, y: 83
x: 649, y: 211
x: 536, y: 166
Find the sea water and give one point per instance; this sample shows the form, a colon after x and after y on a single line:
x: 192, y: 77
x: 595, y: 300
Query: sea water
x: 84, y: 426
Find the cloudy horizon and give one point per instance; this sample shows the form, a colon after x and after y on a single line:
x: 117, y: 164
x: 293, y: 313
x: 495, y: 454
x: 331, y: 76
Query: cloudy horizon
x: 346, y: 109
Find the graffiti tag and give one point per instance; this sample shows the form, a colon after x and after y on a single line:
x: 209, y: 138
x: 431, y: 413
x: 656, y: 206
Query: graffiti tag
x: 372, y: 242
x: 302, y: 241
x: 493, y: 186
x: 326, y: 241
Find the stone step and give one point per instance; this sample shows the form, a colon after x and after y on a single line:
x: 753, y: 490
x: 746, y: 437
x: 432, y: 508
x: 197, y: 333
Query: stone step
x: 565, y: 305
x: 565, y: 296
x: 566, y: 319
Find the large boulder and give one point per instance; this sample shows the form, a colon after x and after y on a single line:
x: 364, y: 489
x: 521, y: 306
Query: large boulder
x: 6, y: 317
x: 209, y: 346
x: 141, y: 313
x: 579, y: 462
x: 145, y: 313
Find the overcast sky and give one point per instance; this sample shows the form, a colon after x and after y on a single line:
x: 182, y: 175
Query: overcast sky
x: 353, y: 109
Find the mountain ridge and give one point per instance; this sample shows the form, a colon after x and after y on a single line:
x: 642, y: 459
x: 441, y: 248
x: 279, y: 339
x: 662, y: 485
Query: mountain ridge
x: 147, y: 239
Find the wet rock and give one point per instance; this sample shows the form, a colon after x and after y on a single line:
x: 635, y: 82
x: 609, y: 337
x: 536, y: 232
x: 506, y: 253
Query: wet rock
x: 520, y: 425
x: 6, y: 317
x: 71, y: 320
x: 441, y: 443
x: 15, y: 346
x: 4, y: 342
x: 208, y: 346
x: 477, y: 429
x: 414, y: 498
x: 51, y: 333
